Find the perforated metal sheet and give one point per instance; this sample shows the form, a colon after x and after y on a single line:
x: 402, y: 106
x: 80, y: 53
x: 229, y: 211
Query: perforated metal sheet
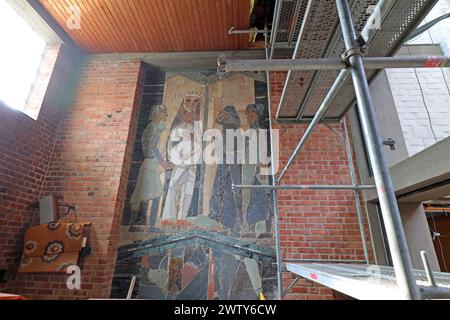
x: 291, y: 17
x: 322, y: 38
x: 362, y: 281
x: 286, y: 16
x: 318, y: 31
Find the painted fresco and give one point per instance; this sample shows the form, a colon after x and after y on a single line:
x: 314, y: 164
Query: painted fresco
x: 199, y: 273
x: 165, y: 199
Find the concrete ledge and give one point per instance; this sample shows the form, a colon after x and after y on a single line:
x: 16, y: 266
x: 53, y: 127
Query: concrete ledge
x: 422, y: 177
x: 181, y: 60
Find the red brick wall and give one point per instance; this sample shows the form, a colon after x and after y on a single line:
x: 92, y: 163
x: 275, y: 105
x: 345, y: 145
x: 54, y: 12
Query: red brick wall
x: 89, y: 170
x: 315, y: 224
x: 84, y: 160
x: 25, y: 152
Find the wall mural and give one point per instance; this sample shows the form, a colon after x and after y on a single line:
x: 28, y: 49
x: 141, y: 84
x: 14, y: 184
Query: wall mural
x: 186, y: 233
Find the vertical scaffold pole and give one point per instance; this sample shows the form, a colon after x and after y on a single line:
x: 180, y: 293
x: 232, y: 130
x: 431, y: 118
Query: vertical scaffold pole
x: 356, y: 193
x: 388, y: 203
x: 274, y: 181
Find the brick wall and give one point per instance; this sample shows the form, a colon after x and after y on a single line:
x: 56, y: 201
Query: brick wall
x: 84, y: 160
x: 89, y: 170
x: 315, y: 224
x: 25, y: 152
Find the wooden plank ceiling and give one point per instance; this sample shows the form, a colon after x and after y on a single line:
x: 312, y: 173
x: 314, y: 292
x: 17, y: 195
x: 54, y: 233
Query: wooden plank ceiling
x: 119, y: 26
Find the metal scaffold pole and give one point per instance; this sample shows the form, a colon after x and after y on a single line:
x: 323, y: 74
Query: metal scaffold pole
x: 274, y: 181
x: 389, y: 207
x: 273, y: 34
x: 356, y: 193
x: 323, y: 64
x: 305, y: 187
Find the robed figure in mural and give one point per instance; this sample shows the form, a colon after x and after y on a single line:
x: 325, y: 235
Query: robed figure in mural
x: 182, y: 182
x: 225, y: 205
x: 255, y: 202
x: 149, y: 186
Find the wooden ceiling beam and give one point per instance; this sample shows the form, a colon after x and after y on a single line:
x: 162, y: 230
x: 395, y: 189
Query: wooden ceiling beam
x: 151, y: 26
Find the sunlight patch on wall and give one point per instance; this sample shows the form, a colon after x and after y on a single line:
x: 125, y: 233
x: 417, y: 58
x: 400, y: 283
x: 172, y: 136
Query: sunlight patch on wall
x: 20, y: 56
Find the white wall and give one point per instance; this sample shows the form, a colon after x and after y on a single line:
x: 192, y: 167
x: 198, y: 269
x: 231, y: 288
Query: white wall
x: 416, y: 90
x: 440, y: 33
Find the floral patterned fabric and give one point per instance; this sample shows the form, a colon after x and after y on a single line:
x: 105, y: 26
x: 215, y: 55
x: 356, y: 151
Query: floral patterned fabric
x: 52, y: 247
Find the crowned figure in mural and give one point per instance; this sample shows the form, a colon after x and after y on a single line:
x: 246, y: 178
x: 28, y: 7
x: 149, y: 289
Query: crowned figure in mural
x: 226, y: 203
x: 187, y: 152
x: 255, y: 202
x: 149, y: 187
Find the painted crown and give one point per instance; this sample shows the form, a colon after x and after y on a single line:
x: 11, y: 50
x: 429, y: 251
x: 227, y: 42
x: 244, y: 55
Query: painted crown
x: 193, y: 94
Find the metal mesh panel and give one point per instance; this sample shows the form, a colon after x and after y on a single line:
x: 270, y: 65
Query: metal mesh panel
x: 403, y: 18
x: 324, y: 80
x: 319, y: 28
x: 303, y: 4
x: 441, y: 278
x: 286, y: 15
x: 368, y: 282
x: 291, y: 17
x: 378, y: 274
x: 322, y: 38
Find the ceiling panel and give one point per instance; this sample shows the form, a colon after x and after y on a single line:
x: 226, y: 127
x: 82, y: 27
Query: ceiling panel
x: 117, y: 26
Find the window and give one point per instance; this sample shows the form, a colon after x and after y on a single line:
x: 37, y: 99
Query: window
x: 20, y: 55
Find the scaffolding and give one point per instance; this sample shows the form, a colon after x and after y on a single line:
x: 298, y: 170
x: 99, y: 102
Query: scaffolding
x: 358, y: 58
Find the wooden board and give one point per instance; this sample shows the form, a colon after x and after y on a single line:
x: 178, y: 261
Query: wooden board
x: 117, y: 26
